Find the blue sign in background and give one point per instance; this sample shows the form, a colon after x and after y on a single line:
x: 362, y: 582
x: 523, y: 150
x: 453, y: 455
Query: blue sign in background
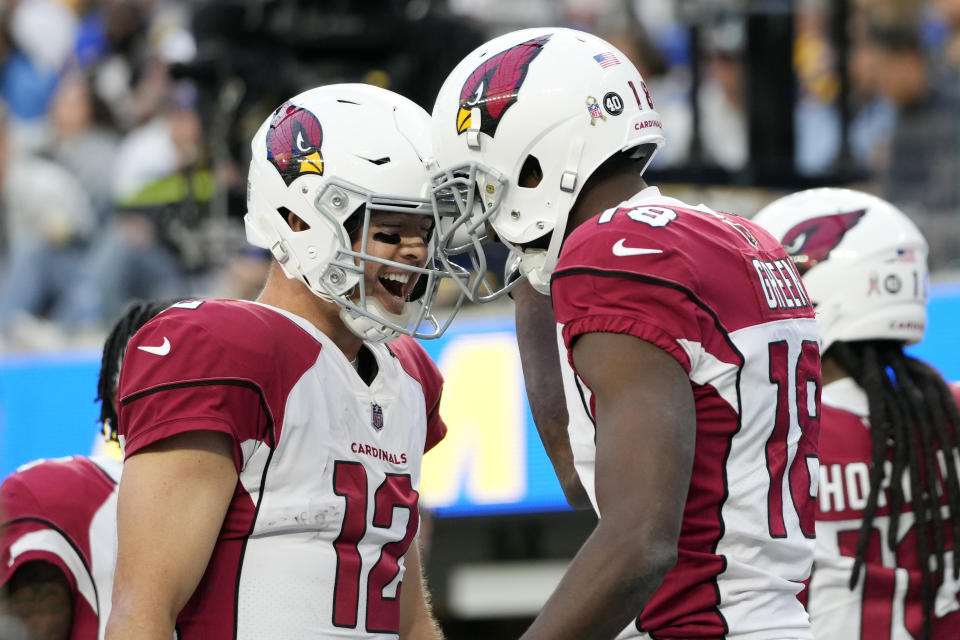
x: 47, y: 406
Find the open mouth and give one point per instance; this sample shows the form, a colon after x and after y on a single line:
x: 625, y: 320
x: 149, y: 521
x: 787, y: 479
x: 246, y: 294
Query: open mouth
x: 395, y: 283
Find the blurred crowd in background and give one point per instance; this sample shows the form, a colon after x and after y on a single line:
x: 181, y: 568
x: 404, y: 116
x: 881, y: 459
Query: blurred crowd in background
x: 125, y: 126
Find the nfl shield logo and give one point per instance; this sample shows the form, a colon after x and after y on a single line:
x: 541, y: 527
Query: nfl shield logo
x: 593, y: 108
x: 376, y: 416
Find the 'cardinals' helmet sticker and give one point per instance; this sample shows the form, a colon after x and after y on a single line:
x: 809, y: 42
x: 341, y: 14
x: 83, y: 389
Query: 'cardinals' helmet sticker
x: 812, y: 240
x: 493, y: 86
x: 293, y: 142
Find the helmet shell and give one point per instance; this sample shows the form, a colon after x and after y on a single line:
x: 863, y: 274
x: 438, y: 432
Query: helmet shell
x: 862, y: 260
x: 325, y: 155
x: 565, y: 99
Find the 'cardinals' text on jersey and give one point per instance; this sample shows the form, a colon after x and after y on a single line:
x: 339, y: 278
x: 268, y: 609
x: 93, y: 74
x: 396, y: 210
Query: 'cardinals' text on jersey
x: 886, y: 603
x: 326, y: 504
x: 64, y: 512
x: 719, y: 295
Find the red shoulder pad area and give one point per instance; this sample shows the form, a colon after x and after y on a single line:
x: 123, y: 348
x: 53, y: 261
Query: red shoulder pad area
x: 422, y: 368
x: 212, y: 365
x: 59, y: 489
x: 62, y: 495
x: 665, y: 272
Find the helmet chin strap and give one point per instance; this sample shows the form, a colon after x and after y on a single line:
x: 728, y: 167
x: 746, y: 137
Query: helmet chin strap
x: 538, y: 264
x: 531, y: 265
x: 369, y: 328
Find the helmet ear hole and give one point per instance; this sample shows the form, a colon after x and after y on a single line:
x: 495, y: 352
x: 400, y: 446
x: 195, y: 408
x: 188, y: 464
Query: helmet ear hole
x: 531, y: 173
x: 354, y: 223
x: 296, y: 223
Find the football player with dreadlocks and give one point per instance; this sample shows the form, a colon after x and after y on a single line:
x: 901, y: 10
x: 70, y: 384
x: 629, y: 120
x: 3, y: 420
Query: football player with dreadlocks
x: 58, y: 537
x: 888, y: 516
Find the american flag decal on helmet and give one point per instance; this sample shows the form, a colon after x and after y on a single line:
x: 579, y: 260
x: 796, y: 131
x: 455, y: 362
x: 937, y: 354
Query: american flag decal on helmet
x: 606, y: 59
x: 376, y: 416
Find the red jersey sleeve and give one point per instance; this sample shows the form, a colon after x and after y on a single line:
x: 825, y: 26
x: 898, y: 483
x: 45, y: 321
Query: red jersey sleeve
x: 216, y: 366
x: 422, y: 368
x: 645, y: 296
x: 593, y: 303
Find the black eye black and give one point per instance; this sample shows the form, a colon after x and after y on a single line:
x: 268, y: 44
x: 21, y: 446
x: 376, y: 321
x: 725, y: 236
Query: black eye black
x: 387, y: 238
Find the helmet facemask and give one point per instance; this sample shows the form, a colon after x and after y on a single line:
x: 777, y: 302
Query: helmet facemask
x: 463, y: 216
x: 342, y: 280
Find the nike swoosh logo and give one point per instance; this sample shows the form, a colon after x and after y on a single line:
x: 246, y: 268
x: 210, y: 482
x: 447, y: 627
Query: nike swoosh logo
x: 620, y: 250
x: 161, y: 350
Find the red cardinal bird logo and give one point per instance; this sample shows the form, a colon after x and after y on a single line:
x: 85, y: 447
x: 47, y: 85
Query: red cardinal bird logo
x: 293, y: 142
x: 493, y: 86
x: 812, y: 240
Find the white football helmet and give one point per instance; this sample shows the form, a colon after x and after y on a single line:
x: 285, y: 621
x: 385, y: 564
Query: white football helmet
x: 558, y: 100
x: 863, y: 262
x: 335, y: 154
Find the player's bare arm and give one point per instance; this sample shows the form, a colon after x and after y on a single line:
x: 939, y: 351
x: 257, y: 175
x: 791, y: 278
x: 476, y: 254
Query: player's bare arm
x: 645, y: 444
x: 539, y: 357
x: 38, y: 594
x: 416, y: 617
x: 173, y: 497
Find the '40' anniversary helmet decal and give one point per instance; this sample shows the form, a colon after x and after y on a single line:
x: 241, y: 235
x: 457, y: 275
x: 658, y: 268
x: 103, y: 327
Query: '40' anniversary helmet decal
x: 493, y: 86
x: 293, y: 142
x: 811, y: 241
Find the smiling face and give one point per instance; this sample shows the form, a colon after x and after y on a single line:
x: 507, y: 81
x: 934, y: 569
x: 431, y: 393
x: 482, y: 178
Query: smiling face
x: 398, y: 237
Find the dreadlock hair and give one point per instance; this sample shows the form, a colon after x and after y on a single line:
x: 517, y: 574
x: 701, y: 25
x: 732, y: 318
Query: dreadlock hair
x: 913, y: 423
x: 136, y: 315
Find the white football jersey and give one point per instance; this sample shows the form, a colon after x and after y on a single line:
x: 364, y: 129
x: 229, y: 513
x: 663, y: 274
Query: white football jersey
x: 886, y: 603
x: 329, y: 468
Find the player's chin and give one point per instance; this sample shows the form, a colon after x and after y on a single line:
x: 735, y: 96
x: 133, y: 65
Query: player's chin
x: 392, y: 301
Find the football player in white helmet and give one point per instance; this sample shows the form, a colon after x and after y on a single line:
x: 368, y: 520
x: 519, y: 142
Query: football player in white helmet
x: 887, y: 536
x: 273, y: 448
x: 684, y: 348
x: 319, y: 229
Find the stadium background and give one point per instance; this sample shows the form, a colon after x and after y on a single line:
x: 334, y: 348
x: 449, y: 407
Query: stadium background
x: 758, y: 98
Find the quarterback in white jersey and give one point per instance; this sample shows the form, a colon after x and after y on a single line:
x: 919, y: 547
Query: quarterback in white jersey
x: 691, y: 342
x: 889, y: 431
x: 273, y: 448
x: 328, y: 465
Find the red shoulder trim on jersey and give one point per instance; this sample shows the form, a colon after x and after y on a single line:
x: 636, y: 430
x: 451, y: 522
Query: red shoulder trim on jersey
x: 67, y: 492
x: 421, y: 367
x: 220, y: 340
x: 629, y: 326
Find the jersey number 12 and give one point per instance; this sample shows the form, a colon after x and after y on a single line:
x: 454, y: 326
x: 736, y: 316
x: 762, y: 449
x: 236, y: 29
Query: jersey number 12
x: 396, y: 491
